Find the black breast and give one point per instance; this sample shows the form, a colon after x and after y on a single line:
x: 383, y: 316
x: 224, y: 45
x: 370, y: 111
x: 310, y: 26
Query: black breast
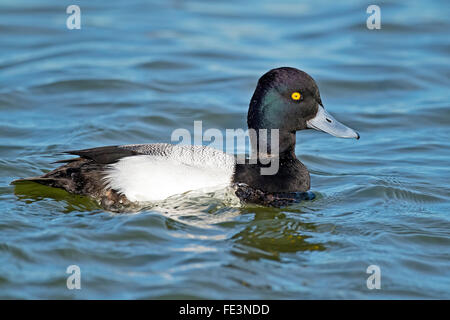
x: 292, y: 176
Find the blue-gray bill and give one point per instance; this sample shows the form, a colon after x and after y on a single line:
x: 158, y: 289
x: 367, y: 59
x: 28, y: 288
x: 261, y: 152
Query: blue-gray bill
x: 325, y: 122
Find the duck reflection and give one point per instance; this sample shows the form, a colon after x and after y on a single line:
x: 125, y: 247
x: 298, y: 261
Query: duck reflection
x: 66, y: 202
x: 273, y: 232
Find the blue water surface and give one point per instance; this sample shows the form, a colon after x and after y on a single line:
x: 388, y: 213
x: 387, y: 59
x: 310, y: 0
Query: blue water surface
x: 137, y: 70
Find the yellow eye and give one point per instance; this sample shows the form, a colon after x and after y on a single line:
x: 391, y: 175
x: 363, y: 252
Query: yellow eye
x: 296, y: 96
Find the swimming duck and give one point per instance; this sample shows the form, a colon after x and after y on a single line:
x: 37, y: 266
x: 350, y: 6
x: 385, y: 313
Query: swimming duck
x: 285, y: 99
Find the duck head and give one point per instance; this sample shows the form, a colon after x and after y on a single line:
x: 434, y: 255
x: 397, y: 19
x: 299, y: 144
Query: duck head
x: 288, y: 99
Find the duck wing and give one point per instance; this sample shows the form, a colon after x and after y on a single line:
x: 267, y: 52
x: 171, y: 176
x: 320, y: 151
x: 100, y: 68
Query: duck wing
x: 101, y: 155
x: 140, y: 172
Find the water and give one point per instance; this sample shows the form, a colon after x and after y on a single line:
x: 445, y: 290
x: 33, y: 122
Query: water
x: 138, y: 70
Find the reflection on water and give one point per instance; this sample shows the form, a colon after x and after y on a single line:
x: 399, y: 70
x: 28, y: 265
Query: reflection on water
x: 33, y: 192
x: 137, y: 70
x: 269, y: 233
x: 272, y: 233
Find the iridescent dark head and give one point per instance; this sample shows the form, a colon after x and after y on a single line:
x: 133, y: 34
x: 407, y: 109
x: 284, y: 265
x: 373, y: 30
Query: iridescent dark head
x: 288, y: 99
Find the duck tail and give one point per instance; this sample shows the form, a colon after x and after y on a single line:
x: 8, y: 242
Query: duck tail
x: 41, y: 180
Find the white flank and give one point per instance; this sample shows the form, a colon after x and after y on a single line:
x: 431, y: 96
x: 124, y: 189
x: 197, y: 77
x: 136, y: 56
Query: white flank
x: 156, y: 177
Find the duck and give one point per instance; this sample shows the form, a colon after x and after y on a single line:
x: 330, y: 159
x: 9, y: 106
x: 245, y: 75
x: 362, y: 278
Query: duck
x: 286, y: 100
